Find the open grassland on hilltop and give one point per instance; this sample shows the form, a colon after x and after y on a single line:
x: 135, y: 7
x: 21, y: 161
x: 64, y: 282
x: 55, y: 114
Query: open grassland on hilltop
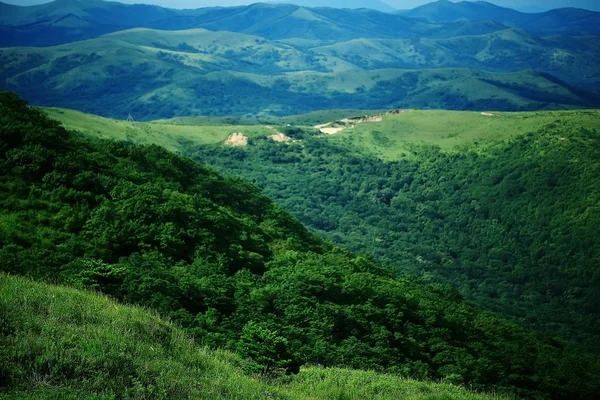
x: 398, y: 135
x: 174, y: 137
x: 392, y: 137
x: 62, y: 343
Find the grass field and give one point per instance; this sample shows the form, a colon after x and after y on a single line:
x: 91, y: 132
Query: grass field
x: 392, y: 138
x: 308, y: 119
x: 172, y: 136
x: 62, y: 343
x: 396, y: 136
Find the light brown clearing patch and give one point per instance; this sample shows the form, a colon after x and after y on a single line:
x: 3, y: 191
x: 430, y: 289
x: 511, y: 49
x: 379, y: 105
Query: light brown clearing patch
x: 487, y: 114
x: 333, y: 131
x: 279, y: 137
x: 237, y: 139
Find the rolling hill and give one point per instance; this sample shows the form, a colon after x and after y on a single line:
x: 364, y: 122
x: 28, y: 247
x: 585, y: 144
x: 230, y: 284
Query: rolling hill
x: 573, y: 59
x: 558, y: 20
x: 161, y: 74
x: 64, y: 21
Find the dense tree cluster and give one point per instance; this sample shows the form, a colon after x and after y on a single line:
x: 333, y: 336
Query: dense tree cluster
x: 514, y: 228
x: 155, y: 229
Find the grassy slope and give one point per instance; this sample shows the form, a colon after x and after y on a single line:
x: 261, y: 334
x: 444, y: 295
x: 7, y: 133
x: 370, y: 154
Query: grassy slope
x: 172, y: 136
x: 396, y: 135
x: 63, y: 343
x: 308, y: 119
x: 391, y: 139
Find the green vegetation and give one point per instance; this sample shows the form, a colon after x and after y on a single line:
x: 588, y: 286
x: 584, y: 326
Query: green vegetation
x: 153, y: 74
x: 508, y: 213
x: 308, y: 119
x: 356, y: 204
x: 148, y: 227
x: 61, y: 343
x: 506, y: 50
x: 173, y: 137
x: 397, y: 136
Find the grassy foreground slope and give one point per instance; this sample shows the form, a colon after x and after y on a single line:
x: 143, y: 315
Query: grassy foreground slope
x: 58, y: 342
x: 234, y: 271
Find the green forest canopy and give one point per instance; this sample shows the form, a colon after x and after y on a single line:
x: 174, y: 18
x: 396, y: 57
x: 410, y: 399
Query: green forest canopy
x: 513, y: 224
x: 151, y: 228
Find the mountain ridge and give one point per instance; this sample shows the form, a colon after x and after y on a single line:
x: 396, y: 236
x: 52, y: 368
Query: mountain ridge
x: 37, y: 25
x: 162, y: 74
x: 557, y: 20
x: 352, y: 4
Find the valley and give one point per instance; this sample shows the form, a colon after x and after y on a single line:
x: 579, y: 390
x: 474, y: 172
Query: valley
x: 407, y: 187
x: 233, y: 269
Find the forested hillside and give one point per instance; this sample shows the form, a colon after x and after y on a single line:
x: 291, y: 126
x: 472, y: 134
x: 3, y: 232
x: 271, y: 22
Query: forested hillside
x: 151, y: 228
x: 513, y: 225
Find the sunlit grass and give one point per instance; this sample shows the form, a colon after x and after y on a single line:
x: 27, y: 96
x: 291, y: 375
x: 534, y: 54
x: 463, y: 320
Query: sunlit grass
x: 62, y: 343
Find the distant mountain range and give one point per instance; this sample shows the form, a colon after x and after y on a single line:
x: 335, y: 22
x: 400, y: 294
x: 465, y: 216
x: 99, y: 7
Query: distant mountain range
x: 161, y: 74
x: 273, y: 59
x: 558, y: 20
x: 350, y: 4
x: 64, y: 21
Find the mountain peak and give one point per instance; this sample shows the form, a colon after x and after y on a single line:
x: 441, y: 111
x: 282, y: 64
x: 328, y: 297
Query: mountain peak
x: 350, y: 4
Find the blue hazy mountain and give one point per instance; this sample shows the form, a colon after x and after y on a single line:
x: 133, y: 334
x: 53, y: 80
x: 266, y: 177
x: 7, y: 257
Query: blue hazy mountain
x: 557, y: 20
x: 351, y: 4
x: 65, y: 21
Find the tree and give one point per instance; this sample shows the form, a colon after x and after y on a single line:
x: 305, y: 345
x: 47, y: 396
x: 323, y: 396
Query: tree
x: 266, y: 351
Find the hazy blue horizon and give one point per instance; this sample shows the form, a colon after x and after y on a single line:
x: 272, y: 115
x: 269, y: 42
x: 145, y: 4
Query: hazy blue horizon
x: 523, y: 5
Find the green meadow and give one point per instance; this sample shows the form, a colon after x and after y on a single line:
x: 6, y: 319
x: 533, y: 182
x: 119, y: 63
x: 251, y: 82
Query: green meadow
x: 63, y: 343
